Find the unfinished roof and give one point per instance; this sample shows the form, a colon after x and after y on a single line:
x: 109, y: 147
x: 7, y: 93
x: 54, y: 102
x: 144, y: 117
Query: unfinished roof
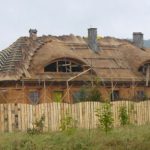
x: 25, y: 58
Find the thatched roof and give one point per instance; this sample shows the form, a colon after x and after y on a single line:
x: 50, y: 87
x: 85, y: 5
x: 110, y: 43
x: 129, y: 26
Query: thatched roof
x: 117, y: 59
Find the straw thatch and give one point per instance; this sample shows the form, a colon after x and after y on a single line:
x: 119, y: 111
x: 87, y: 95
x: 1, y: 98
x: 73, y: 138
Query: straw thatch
x: 117, y: 59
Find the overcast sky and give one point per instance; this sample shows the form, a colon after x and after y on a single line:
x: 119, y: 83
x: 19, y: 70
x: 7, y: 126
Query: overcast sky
x: 118, y: 18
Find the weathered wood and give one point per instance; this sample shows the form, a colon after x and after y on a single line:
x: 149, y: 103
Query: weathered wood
x: 10, y: 119
x: 20, y: 117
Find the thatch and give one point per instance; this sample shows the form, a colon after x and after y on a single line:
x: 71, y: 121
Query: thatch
x: 117, y: 59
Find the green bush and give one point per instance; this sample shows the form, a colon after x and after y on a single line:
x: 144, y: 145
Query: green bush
x: 68, y: 124
x: 105, y: 118
x: 94, y: 94
x: 123, y: 115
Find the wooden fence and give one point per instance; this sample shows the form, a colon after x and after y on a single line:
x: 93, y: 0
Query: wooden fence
x: 20, y: 117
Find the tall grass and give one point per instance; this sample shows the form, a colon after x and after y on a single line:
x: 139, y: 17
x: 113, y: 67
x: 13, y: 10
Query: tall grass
x: 124, y: 138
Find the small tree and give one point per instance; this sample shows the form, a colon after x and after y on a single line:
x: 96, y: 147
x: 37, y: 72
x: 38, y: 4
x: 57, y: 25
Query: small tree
x: 105, y: 117
x: 123, y: 116
x: 67, y: 123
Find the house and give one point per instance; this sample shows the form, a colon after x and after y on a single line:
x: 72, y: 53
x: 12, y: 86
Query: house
x: 54, y: 68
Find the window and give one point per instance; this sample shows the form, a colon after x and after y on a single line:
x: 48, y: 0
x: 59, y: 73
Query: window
x: 64, y: 65
x: 140, y: 95
x: 145, y: 68
x: 51, y: 68
x: 34, y: 97
x: 115, y: 95
x: 81, y: 95
x: 57, y: 96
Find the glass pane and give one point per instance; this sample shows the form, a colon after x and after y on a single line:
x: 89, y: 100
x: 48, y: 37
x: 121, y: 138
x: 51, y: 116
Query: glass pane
x: 34, y: 97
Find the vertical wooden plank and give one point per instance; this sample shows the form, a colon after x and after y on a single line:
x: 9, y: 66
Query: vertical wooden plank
x: 50, y: 115
x: 138, y: 117
x: 19, y: 118
x: 77, y: 121
x: 143, y: 117
x: 9, y: 118
x: 46, y: 117
x: 26, y: 117
x: 53, y: 115
x: 6, y: 117
x: 39, y: 113
x: 84, y: 114
x: 91, y: 115
x: 30, y: 116
x: 2, y: 117
x: 49, y: 118
x: 95, y: 117
x: 22, y: 116
x: 36, y: 111
x: 56, y: 115
x: 16, y: 117
x: 44, y: 114
x: 13, y: 116
x: 59, y: 119
x: 72, y: 110
x: 81, y: 123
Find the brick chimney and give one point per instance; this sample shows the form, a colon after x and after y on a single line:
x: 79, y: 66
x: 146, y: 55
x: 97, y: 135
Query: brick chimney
x: 138, y: 39
x: 92, y: 39
x: 33, y: 33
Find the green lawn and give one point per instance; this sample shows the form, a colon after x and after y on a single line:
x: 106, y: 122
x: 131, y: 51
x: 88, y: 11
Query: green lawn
x: 127, y: 138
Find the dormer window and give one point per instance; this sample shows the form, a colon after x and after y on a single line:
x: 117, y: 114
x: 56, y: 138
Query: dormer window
x: 64, y: 65
x: 145, y: 68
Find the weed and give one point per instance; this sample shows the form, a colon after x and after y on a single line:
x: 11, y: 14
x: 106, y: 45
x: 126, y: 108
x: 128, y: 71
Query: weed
x: 37, y: 126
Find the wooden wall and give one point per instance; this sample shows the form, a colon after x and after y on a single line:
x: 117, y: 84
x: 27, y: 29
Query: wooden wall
x: 21, y: 94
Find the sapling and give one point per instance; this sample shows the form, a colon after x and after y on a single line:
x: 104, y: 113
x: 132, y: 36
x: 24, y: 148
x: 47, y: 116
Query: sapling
x: 105, y: 117
x: 123, y: 116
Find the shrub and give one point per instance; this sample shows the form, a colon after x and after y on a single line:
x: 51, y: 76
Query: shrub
x: 94, y: 94
x: 123, y: 115
x: 105, y: 118
x: 67, y: 123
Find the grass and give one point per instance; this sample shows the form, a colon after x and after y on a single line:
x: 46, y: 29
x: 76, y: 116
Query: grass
x: 125, y: 138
